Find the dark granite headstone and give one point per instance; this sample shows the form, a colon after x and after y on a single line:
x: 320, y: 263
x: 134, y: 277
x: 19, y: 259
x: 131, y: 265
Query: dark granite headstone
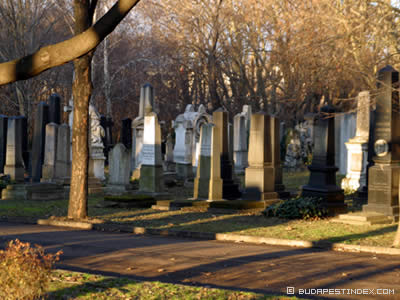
x: 383, y: 177
x: 230, y: 189
x: 55, y: 109
x: 126, y: 133
x: 3, y: 141
x: 107, y: 123
x: 38, y: 140
x: 322, y: 180
x: 22, y: 128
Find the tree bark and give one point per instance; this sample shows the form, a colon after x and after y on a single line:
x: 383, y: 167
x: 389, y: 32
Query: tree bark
x: 63, y: 52
x: 81, y: 90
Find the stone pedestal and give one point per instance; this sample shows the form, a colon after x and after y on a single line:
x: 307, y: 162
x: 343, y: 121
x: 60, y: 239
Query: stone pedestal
x: 96, y: 162
x: 357, y: 154
x: 215, y: 190
x: 322, y: 181
x: 383, y: 182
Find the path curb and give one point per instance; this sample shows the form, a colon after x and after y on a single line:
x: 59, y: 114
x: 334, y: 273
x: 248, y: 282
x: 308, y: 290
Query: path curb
x: 222, y: 237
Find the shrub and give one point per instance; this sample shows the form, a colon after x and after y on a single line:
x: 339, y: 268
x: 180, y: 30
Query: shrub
x: 298, y: 208
x: 24, y: 270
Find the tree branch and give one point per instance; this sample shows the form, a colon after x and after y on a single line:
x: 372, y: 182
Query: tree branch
x: 63, y: 52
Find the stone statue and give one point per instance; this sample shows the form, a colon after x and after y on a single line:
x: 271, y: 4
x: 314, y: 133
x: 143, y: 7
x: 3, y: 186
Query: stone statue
x: 96, y: 130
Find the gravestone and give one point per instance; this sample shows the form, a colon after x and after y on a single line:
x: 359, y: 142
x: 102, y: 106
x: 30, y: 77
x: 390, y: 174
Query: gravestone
x: 23, y: 129
x: 106, y: 123
x: 14, y: 163
x: 322, y: 180
x: 38, y: 140
x: 263, y: 177
x: 183, y: 150
x: 3, y: 141
x: 63, y: 156
x: 169, y: 153
x: 215, y: 189
x: 55, y: 109
x: 126, y: 132
x: 146, y: 98
x: 49, y: 165
x: 119, y: 169
x: 202, y: 180
x: 241, y: 124
x: 383, y: 181
x: 96, y: 146
x: 151, y: 172
x: 357, y: 147
x: 230, y: 189
x: 345, y: 128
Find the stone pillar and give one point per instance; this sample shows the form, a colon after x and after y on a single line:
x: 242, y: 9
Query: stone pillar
x: 215, y: 191
x: 202, y: 180
x: 55, y: 109
x: 3, y: 141
x: 126, y: 132
x: 119, y: 169
x: 276, y: 157
x: 49, y: 165
x: 63, y: 156
x: 357, y: 147
x: 230, y: 189
x: 383, y: 183
x: 264, y: 175
x: 322, y: 180
x: 14, y: 162
x: 151, y: 171
x: 38, y: 140
x: 169, y: 153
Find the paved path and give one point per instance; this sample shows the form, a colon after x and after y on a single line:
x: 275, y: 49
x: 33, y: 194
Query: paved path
x: 260, y: 268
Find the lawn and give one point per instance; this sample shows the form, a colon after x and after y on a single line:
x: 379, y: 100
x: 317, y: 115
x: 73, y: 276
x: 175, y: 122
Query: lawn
x: 200, y: 220
x: 75, y: 285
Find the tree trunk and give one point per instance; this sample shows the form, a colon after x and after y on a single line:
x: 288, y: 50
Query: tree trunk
x: 81, y: 90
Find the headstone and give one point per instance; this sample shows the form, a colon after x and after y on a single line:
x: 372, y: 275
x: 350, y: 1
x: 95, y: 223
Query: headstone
x: 151, y: 172
x: 38, y: 140
x: 3, y: 141
x: 322, y: 180
x: 263, y: 177
x: 183, y: 150
x: 96, y: 133
x: 146, y: 99
x: 14, y: 162
x: 383, y: 181
x: 215, y: 190
x: 126, y: 133
x: 49, y: 165
x: 55, y: 109
x: 357, y: 147
x: 240, y: 143
x: 169, y: 153
x: 107, y: 123
x: 24, y: 136
x: 119, y: 169
x: 230, y: 189
x: 202, y: 180
x: 345, y: 128
x: 63, y: 156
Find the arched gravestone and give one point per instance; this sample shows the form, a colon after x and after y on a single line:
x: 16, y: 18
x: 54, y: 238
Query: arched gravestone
x: 383, y: 177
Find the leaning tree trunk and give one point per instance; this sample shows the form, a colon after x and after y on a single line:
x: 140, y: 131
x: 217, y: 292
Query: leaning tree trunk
x: 81, y: 90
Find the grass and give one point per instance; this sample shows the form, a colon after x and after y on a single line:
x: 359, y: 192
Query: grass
x: 202, y: 221
x: 76, y: 285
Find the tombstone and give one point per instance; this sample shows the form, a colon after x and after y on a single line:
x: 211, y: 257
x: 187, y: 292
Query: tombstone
x: 106, y: 123
x: 119, y: 169
x: 146, y: 97
x: 151, y: 171
x: 169, y: 153
x: 357, y: 147
x: 49, y: 165
x: 38, y: 140
x: 63, y: 156
x: 202, y: 180
x: 230, y: 189
x: 383, y: 181
x: 126, y: 133
x: 3, y: 141
x: 322, y: 180
x: 240, y: 143
x: 14, y: 163
x: 96, y: 146
x: 345, y: 128
x: 215, y: 189
x: 55, y: 109
x: 263, y: 176
x: 24, y: 136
